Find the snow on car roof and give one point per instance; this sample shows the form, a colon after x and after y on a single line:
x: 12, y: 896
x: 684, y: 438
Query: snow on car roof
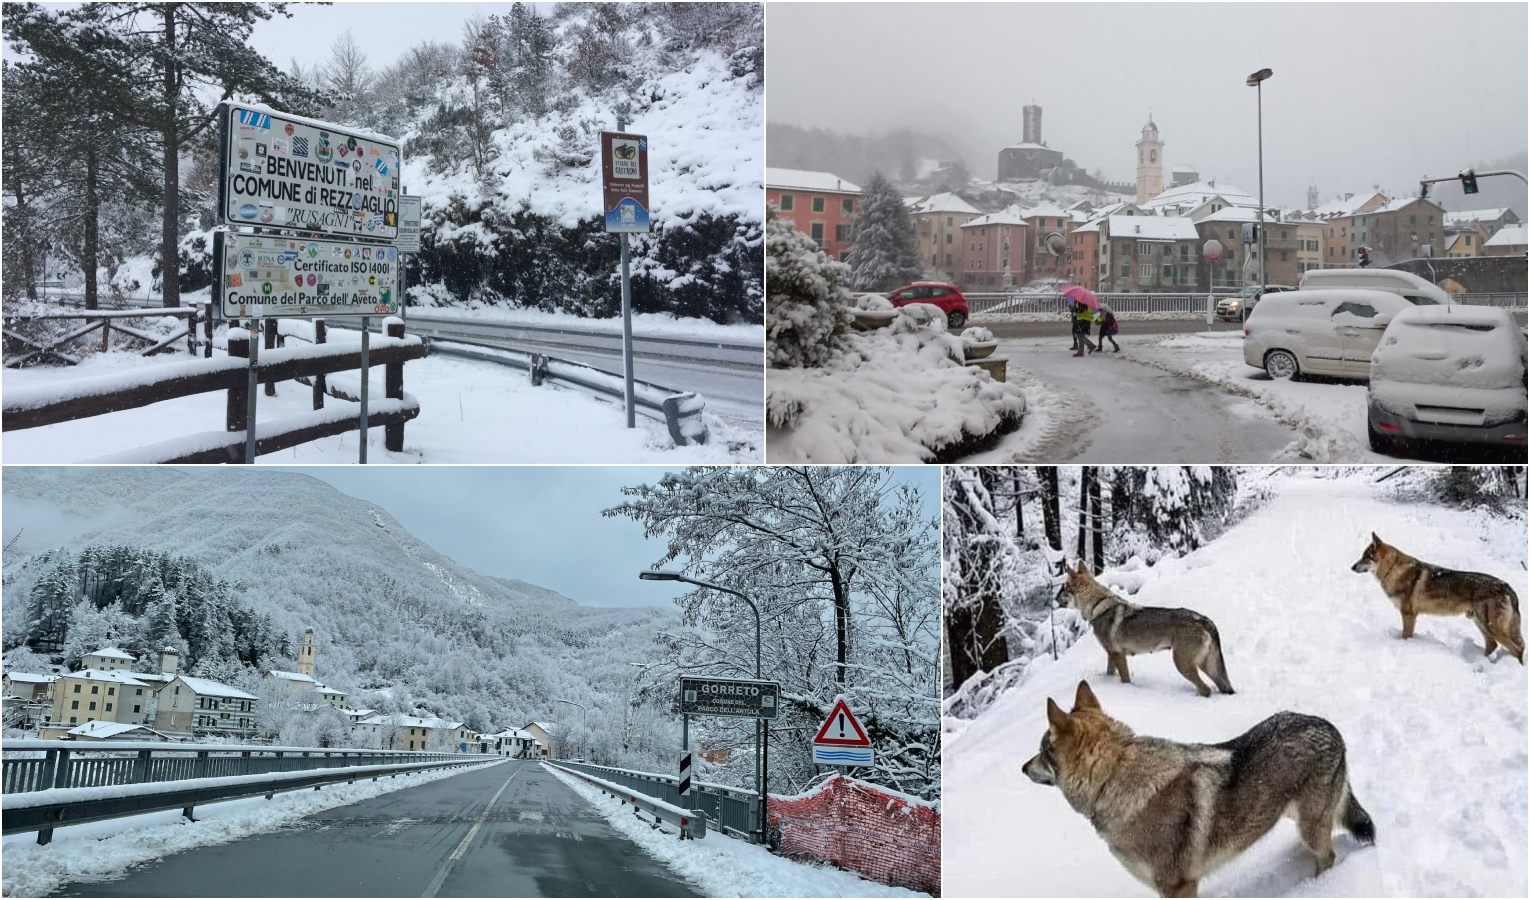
x: 1456, y: 314
x: 804, y: 179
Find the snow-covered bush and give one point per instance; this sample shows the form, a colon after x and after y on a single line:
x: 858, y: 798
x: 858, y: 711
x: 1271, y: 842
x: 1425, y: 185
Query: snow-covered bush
x: 807, y: 298
x: 977, y: 334
x: 873, y: 302
x: 900, y: 394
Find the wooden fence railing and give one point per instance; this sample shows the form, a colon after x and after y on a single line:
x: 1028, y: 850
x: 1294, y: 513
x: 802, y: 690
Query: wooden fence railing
x: 33, y: 406
x: 107, y: 320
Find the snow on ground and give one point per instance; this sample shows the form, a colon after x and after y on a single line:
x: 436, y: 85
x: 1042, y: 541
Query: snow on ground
x: 721, y: 866
x: 101, y: 851
x: 643, y: 324
x: 470, y: 412
x: 1436, y: 734
x: 1330, y: 415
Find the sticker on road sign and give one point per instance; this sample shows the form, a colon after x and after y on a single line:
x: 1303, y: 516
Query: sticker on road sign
x: 841, y: 756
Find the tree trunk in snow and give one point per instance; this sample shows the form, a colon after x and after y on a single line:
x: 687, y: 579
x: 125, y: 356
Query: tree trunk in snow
x: 92, y: 226
x: 169, y: 239
x: 1096, y: 521
x: 1051, y: 515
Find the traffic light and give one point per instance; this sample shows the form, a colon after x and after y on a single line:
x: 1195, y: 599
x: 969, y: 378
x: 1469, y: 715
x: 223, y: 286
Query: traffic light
x: 1468, y: 182
x: 1365, y: 257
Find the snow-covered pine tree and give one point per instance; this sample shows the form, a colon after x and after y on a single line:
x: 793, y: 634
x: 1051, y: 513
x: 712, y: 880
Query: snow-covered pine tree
x: 883, y: 247
x: 807, y: 299
x: 1159, y: 511
x: 50, y: 607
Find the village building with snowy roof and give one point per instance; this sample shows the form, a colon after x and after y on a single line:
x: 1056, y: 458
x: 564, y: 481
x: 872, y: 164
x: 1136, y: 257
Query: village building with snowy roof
x: 108, y: 659
x: 821, y: 205
x: 938, y: 221
x: 1148, y: 254
x: 113, y: 731
x: 92, y: 695
x: 993, y: 250
x: 1509, y: 241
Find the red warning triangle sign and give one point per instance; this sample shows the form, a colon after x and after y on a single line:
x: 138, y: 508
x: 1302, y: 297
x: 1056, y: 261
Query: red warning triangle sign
x: 841, y: 729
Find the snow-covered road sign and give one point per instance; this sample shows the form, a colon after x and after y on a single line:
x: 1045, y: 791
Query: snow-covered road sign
x: 740, y: 697
x: 841, y: 741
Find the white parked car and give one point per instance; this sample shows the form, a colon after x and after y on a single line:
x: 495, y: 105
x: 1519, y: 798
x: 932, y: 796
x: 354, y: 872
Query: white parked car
x: 1295, y: 333
x: 1449, y: 373
x: 1414, y: 289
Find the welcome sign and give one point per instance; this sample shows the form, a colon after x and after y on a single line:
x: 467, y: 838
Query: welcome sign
x: 624, y: 181
x: 284, y: 171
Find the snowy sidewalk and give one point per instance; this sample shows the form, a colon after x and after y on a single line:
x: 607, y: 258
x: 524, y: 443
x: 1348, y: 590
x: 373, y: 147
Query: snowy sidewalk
x: 1436, y: 734
x: 722, y: 866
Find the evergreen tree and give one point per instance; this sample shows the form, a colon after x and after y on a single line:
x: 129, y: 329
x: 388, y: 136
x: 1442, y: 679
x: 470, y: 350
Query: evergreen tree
x: 884, y: 252
x: 1168, y: 509
x: 50, y: 607
x: 807, y: 297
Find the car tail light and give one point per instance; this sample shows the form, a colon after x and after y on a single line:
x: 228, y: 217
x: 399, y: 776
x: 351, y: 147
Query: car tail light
x: 1388, y: 426
x: 1245, y: 332
x: 1513, y: 437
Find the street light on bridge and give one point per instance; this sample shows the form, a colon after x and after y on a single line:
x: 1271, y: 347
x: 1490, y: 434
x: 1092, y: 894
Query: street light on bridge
x: 1256, y: 81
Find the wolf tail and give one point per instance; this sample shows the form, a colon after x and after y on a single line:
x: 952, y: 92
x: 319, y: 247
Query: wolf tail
x: 1216, y: 666
x: 1357, y: 821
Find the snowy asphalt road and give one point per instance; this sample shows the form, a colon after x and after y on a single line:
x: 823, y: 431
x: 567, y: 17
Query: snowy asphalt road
x: 1106, y: 409
x: 539, y: 839
x: 730, y: 377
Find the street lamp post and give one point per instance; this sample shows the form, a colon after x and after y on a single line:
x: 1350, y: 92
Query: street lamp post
x: 761, y: 729
x: 1256, y: 81
x: 585, y: 718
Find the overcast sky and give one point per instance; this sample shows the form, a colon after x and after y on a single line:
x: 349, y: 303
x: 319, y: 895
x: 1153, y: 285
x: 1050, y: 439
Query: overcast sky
x: 540, y: 524
x: 1361, y: 93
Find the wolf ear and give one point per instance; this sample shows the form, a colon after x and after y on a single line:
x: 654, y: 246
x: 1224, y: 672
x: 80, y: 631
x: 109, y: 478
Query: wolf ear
x: 1082, y: 569
x: 1055, y: 716
x: 1375, y: 539
x: 1085, y: 698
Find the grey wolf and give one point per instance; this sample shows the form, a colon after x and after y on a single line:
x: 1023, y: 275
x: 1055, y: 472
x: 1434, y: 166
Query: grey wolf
x: 1171, y: 813
x: 1417, y: 587
x: 1124, y: 630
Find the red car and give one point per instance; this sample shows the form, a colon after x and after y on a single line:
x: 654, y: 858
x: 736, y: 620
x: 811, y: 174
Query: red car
x: 948, y: 297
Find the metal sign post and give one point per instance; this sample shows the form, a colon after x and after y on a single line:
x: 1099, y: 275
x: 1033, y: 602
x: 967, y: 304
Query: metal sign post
x: 738, y: 698
x: 253, y: 391
x: 685, y: 755
x: 624, y: 186
x: 366, y: 335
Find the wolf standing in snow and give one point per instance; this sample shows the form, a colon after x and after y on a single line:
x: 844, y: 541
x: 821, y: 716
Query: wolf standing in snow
x: 1172, y: 813
x: 1418, y: 587
x: 1125, y: 630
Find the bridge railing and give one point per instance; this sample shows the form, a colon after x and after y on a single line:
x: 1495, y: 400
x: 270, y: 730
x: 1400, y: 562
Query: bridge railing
x: 691, y: 820
x: 1191, y: 303
x: 48, y: 786
x: 732, y: 810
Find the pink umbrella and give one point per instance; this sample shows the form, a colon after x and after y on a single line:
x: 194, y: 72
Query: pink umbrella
x: 1081, y: 295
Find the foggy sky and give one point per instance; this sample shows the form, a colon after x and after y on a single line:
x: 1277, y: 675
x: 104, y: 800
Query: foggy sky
x: 1361, y: 94
x: 539, y: 524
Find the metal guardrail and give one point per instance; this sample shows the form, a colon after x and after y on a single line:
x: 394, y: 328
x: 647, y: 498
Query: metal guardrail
x: 58, y: 787
x: 679, y: 410
x: 691, y: 822
x: 1190, y: 303
x: 731, y: 810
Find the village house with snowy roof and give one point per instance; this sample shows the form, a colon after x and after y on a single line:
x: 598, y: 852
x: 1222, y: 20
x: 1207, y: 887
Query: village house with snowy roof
x: 542, y: 733
x: 1509, y: 241
x: 92, y: 695
x: 303, y: 679
x: 108, y: 659
x: 993, y: 250
x: 821, y: 205
x: 938, y: 221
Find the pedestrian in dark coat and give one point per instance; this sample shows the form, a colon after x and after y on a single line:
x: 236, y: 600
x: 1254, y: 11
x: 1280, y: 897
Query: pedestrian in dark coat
x: 1109, y: 327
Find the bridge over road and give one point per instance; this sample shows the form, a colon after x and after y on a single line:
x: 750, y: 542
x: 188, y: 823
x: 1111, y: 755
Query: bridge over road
x: 507, y: 830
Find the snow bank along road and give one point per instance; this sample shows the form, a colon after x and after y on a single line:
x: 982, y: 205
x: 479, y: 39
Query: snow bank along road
x: 1435, y: 733
x: 1104, y: 409
x: 729, y: 375
x: 509, y: 830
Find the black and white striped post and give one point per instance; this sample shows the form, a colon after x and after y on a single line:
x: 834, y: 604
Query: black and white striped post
x: 685, y: 756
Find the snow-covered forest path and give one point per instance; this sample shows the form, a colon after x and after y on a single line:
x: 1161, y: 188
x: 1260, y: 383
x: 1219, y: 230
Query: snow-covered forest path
x: 1436, y: 734
x: 1106, y: 409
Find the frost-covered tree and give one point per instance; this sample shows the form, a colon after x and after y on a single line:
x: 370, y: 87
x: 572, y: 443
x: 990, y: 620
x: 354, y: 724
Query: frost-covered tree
x: 807, y: 297
x: 842, y: 565
x: 1168, y: 510
x: 50, y: 608
x: 884, y: 252
x: 981, y: 561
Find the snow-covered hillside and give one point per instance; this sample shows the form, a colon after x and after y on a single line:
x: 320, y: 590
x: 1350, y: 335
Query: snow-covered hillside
x: 392, y: 615
x: 1436, y: 734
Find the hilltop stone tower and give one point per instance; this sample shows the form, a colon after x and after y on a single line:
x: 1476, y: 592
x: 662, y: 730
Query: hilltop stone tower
x: 1149, y: 163
x: 305, y: 654
x: 1031, y: 124
x: 1312, y: 197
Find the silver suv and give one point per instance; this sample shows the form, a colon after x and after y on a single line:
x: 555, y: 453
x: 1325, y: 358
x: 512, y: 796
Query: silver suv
x: 1238, y: 306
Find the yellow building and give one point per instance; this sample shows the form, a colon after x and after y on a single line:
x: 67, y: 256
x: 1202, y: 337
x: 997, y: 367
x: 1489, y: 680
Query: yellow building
x: 1309, y: 246
x: 91, y: 695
